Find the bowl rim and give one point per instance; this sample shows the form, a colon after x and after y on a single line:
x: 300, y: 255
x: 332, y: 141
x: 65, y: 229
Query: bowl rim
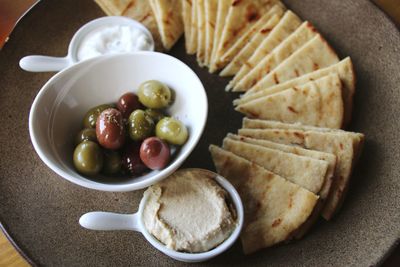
x: 91, y: 184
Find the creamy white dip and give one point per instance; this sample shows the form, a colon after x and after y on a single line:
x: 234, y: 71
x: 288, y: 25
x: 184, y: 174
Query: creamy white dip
x: 188, y: 212
x: 113, y: 39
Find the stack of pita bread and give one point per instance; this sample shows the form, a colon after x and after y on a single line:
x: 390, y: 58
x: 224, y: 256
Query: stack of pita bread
x: 287, y: 175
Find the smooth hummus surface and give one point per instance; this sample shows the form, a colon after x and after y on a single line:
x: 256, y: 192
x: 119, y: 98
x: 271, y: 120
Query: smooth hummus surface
x: 188, y: 212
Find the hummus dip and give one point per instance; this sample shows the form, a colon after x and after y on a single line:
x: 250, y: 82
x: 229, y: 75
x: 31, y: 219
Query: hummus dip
x: 188, y: 211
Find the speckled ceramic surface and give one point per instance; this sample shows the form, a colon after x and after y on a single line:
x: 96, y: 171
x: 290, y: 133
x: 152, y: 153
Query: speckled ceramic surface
x: 40, y: 210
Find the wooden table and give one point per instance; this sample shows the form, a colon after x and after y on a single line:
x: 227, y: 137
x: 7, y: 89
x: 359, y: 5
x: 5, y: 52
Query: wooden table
x: 11, y: 9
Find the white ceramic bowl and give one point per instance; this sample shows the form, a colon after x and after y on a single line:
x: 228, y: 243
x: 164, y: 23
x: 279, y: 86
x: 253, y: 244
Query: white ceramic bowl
x: 107, y: 221
x: 57, y: 112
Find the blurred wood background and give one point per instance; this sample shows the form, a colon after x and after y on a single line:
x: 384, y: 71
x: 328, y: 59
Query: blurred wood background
x: 11, y: 10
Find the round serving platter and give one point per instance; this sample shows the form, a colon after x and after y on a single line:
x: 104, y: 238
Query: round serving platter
x: 41, y: 211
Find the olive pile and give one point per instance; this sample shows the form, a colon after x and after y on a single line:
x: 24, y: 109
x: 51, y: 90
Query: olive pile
x: 130, y: 137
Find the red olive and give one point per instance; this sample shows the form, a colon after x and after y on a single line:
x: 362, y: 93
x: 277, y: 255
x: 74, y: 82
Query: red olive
x: 131, y: 160
x: 110, y: 131
x: 128, y: 103
x: 154, y: 153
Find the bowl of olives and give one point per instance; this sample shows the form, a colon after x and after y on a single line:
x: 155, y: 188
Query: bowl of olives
x: 119, y: 122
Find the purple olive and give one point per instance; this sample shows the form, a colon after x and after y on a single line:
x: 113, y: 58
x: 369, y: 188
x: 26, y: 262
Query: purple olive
x: 110, y: 129
x: 155, y: 153
x: 131, y: 159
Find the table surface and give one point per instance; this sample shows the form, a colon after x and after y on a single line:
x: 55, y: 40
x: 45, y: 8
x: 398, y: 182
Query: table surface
x: 11, y: 10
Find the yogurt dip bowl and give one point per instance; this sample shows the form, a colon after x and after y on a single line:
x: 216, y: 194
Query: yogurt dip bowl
x: 58, y: 109
x: 135, y: 222
x: 108, y: 33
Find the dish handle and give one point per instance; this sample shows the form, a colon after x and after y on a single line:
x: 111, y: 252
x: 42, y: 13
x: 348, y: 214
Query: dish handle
x: 107, y: 221
x: 44, y: 63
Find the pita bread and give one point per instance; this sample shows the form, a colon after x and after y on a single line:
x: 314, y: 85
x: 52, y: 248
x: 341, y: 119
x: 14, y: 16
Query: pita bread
x: 312, y: 174
x: 346, y: 74
x: 328, y: 157
x: 241, y: 56
x: 260, y: 29
x: 201, y: 33
x: 193, y: 30
x: 315, y: 54
x: 113, y: 7
x: 222, y: 11
x: 295, y: 41
x: 211, y: 7
x: 187, y: 24
x: 286, y: 26
x: 274, y: 207
x: 346, y: 146
x: 241, y: 16
x: 169, y: 20
x: 142, y: 12
x: 317, y: 103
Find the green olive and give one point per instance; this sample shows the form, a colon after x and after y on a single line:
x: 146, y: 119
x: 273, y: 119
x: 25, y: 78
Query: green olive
x: 172, y: 130
x: 154, y: 94
x: 112, y: 162
x: 86, y: 134
x: 155, y: 114
x: 88, y: 158
x: 89, y: 121
x: 140, y: 125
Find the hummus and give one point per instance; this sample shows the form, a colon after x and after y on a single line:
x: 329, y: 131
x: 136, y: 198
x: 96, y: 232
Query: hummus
x: 188, y: 211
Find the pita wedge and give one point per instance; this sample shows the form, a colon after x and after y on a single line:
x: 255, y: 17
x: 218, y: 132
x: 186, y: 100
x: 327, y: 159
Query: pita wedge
x: 211, y: 7
x: 169, y: 20
x: 193, y: 30
x: 317, y: 103
x: 304, y: 171
x: 295, y: 41
x: 314, y: 55
x: 328, y: 157
x: 346, y: 146
x: 346, y: 74
x: 187, y: 24
x: 113, y: 7
x: 201, y: 33
x: 142, y: 12
x: 260, y: 29
x: 286, y: 26
x: 222, y: 11
x: 274, y: 207
x: 241, y: 16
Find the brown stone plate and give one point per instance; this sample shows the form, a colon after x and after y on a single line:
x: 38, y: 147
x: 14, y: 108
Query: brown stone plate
x: 40, y: 210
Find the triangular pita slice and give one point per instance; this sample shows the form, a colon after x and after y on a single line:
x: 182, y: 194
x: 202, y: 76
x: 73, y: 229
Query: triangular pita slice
x: 201, y: 33
x: 286, y: 26
x: 211, y: 7
x: 187, y: 24
x: 346, y: 74
x: 295, y: 41
x: 317, y: 103
x: 222, y: 11
x: 314, y: 55
x: 261, y: 29
x: 241, y: 56
x: 142, y: 12
x: 274, y: 207
x: 113, y: 7
x: 328, y: 157
x: 306, y: 172
x: 346, y: 147
x: 193, y: 30
x: 169, y: 20
x: 241, y: 16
